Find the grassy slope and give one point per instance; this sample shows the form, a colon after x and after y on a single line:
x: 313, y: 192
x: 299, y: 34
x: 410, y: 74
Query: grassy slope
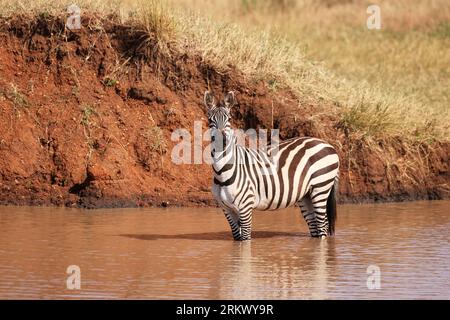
x: 388, y: 82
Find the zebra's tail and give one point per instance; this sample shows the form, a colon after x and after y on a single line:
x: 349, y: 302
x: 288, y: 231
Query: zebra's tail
x: 331, y: 207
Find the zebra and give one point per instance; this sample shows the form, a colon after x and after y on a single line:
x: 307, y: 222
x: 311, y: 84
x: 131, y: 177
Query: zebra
x: 302, y: 171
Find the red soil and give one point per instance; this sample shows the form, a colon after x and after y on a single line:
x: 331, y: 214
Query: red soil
x: 69, y: 136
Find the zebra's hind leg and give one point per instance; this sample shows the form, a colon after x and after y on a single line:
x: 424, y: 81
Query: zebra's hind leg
x: 233, y: 220
x: 319, y: 197
x: 309, y: 215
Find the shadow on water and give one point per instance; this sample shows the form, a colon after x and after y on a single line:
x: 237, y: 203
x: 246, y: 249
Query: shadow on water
x: 222, y: 235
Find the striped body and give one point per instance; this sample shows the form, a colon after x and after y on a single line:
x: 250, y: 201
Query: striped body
x: 253, y: 180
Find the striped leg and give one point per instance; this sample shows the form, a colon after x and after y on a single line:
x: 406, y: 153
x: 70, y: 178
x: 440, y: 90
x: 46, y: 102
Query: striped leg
x: 307, y: 209
x: 319, y: 197
x: 234, y: 222
x: 245, y: 220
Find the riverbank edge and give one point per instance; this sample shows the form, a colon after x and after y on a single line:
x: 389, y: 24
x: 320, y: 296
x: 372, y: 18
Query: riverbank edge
x: 86, y: 121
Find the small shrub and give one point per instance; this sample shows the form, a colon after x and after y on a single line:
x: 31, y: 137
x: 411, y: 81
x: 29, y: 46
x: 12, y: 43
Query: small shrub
x: 44, y: 15
x: 170, y: 111
x: 87, y: 112
x: 18, y: 99
x: 366, y: 118
x: 442, y: 30
x: 157, y: 142
x: 109, y: 82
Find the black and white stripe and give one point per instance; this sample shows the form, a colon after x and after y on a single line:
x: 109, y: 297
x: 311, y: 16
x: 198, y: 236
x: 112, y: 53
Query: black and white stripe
x: 300, y: 171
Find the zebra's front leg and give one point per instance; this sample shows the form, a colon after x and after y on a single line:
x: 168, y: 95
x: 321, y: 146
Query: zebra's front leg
x: 245, y: 220
x: 233, y: 220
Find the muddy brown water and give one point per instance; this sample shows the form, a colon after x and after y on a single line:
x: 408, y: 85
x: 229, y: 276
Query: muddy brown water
x: 188, y: 253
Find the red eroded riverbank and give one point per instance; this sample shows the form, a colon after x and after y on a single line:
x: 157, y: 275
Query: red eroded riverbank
x: 86, y: 119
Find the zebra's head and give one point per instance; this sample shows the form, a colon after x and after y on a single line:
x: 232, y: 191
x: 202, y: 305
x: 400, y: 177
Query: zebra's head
x: 219, y: 120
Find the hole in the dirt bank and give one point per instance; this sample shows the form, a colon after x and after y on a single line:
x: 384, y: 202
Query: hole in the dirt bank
x: 48, y: 25
x: 96, y: 145
x: 78, y: 187
x: 251, y: 120
x: 53, y: 178
x: 135, y: 42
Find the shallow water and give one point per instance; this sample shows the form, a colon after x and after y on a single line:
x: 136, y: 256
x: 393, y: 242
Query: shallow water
x: 188, y: 253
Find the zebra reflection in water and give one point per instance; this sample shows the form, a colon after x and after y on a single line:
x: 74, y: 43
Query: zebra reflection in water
x: 276, y: 274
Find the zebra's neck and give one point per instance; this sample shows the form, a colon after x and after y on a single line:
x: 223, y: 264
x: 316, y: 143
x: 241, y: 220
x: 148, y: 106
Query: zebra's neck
x: 224, y: 160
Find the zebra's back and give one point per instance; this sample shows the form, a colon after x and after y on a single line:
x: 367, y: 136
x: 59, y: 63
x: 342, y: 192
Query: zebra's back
x: 296, y: 166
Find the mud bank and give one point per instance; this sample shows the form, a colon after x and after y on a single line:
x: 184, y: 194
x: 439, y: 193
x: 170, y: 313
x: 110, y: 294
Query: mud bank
x: 86, y: 119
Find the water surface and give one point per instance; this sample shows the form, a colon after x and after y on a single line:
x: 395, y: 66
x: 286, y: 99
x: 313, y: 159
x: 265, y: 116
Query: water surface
x: 189, y: 253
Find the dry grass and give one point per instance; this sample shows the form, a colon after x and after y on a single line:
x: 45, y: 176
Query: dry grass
x: 389, y: 82
x: 377, y: 83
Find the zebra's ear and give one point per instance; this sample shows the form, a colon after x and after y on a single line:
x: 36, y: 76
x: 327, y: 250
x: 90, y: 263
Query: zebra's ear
x: 230, y: 100
x: 209, y: 100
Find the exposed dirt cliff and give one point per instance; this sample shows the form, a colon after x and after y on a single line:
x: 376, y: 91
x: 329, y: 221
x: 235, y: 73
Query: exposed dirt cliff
x: 86, y: 119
